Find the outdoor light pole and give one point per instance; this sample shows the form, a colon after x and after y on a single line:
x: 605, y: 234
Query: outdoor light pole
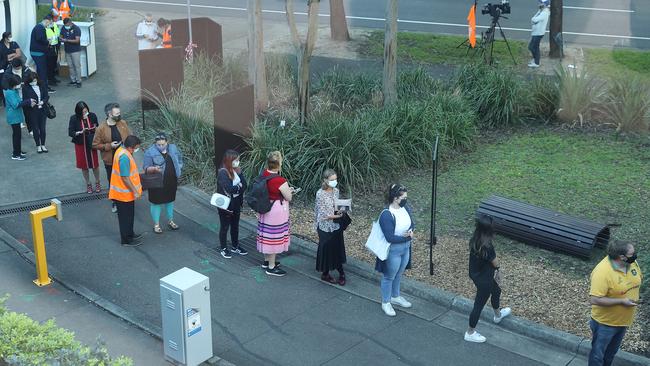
x: 433, y: 240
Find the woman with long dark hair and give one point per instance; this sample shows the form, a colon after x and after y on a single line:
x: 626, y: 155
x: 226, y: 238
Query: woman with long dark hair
x: 331, y: 246
x: 35, y: 115
x: 232, y: 183
x: 81, y: 128
x: 9, y: 50
x: 484, y: 272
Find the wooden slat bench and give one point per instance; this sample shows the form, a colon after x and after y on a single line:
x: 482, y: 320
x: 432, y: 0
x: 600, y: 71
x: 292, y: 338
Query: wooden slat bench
x: 543, y: 227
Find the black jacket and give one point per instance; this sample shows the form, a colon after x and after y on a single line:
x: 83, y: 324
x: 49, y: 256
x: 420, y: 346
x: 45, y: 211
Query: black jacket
x: 34, y: 113
x: 225, y: 187
x: 74, y: 126
x: 39, y: 42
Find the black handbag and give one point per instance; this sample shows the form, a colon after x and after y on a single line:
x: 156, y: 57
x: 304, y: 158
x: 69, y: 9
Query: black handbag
x: 344, y: 221
x: 151, y: 180
x: 50, y: 111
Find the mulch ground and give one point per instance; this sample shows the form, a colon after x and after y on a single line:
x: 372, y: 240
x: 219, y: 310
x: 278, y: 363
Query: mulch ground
x: 534, y: 290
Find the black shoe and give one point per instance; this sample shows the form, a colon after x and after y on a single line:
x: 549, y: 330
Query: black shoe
x: 132, y: 243
x: 50, y: 90
x: 225, y: 252
x: 72, y: 83
x: 275, y: 272
x: 137, y: 237
x: 79, y: 85
x: 239, y: 250
x: 52, y: 82
x: 266, y: 264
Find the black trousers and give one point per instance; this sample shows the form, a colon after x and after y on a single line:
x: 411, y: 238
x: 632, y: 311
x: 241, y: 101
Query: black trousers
x: 484, y: 290
x: 229, y: 221
x: 38, y: 127
x: 109, y: 170
x: 52, y: 61
x: 15, y: 139
x: 125, y: 216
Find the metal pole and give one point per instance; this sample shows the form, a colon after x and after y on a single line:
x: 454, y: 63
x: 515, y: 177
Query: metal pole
x: 433, y: 240
x: 189, y: 22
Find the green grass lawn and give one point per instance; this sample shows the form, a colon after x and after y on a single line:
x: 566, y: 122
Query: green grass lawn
x: 81, y: 14
x: 619, y: 62
x: 581, y: 174
x: 439, y: 49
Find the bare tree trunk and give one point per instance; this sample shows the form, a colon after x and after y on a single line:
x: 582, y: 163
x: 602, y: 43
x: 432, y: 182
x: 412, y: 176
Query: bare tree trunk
x: 256, y: 63
x: 338, y: 22
x: 303, y: 52
x: 555, y: 29
x: 390, y: 54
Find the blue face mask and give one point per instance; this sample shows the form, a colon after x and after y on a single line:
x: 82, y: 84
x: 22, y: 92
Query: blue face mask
x: 162, y: 149
x: 68, y: 27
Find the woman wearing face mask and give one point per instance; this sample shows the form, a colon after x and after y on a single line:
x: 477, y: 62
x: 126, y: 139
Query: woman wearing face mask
x: 81, y: 128
x: 35, y: 115
x: 163, y: 157
x: 232, y: 183
x: 9, y: 50
x: 484, y: 272
x: 397, y: 226
x: 14, y: 113
x: 331, y: 247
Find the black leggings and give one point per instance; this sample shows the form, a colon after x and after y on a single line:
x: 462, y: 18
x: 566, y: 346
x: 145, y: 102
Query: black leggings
x: 38, y: 127
x: 483, y: 292
x: 15, y: 139
x: 229, y: 221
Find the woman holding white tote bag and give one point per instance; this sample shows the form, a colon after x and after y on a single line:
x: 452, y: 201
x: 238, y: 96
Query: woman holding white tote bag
x: 396, y: 222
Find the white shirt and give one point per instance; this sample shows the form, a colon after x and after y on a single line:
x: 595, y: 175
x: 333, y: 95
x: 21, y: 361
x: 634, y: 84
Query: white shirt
x: 150, y: 31
x: 402, y: 220
x: 539, y: 21
x: 235, y: 181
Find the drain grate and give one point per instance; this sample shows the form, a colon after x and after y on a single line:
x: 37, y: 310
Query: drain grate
x: 18, y: 208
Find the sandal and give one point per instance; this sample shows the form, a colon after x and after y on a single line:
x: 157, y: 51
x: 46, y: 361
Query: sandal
x: 328, y: 278
x: 98, y: 187
x: 342, y: 280
x: 89, y: 188
x: 173, y: 226
x: 157, y: 229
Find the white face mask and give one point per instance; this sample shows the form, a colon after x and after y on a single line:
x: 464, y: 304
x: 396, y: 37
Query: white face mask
x: 235, y: 164
x: 34, y: 82
x: 136, y: 150
x: 86, y: 114
x: 332, y: 183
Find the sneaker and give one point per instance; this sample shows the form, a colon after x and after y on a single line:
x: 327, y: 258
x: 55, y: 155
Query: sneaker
x: 18, y: 157
x: 50, y: 90
x: 133, y: 243
x: 242, y: 251
x: 137, y: 237
x: 89, y: 188
x: 275, y: 271
x: 72, y: 83
x: 265, y: 265
x: 504, y: 312
x: 225, y: 252
x: 23, y: 154
x: 533, y: 65
x: 98, y: 187
x: 23, y: 125
x: 114, y: 208
x: 388, y: 309
x: 79, y: 85
x: 39, y: 149
x: 400, y: 301
x: 31, y: 133
x: 44, y: 149
x: 474, y: 337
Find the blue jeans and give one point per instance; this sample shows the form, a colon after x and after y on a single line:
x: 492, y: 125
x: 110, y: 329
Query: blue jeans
x: 533, y: 47
x: 605, y: 342
x: 41, y: 68
x: 398, y: 258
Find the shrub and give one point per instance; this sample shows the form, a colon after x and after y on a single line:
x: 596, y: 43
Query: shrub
x: 281, y: 81
x: 417, y: 83
x: 494, y: 93
x: 626, y: 105
x: 578, y: 94
x: 543, y: 98
x: 348, y: 90
x: 25, y: 342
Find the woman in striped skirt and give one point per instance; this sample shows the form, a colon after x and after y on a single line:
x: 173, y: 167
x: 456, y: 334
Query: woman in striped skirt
x: 273, y: 227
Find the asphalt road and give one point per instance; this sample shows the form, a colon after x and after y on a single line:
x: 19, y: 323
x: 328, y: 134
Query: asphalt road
x: 588, y: 22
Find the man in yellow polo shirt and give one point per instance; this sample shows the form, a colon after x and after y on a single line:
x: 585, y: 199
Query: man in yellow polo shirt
x: 614, y: 296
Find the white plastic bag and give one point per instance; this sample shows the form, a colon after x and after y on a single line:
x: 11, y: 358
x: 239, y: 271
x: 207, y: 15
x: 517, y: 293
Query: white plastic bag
x: 377, y: 242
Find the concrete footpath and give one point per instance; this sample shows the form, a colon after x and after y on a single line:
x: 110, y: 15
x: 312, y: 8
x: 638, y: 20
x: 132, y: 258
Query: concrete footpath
x: 257, y: 319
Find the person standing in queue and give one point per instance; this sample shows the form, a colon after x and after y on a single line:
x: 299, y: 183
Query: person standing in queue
x: 331, y: 247
x: 36, y: 116
x: 81, y: 127
x: 125, y: 188
x: 9, y: 50
x: 232, y: 183
x: 14, y: 113
x: 484, y: 272
x: 109, y: 136
x: 38, y: 48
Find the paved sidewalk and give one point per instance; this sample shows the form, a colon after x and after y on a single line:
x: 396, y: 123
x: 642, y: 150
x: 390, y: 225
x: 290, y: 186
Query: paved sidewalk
x: 293, y: 320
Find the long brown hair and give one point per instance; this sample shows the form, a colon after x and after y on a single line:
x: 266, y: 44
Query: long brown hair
x: 481, y: 240
x: 227, y: 160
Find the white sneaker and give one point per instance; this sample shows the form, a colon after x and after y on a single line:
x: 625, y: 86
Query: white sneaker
x: 388, y: 309
x: 533, y: 65
x: 474, y: 337
x: 22, y: 125
x: 400, y: 301
x: 504, y: 312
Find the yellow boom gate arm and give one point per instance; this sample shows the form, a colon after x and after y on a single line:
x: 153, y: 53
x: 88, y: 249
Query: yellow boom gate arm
x: 37, y: 217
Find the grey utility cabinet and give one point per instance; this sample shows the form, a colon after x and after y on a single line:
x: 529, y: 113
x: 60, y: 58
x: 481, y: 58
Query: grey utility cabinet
x: 186, y: 317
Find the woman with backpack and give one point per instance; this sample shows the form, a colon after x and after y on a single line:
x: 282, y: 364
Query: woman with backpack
x: 331, y: 247
x: 397, y: 224
x: 273, y: 232
x: 484, y: 272
x: 231, y: 183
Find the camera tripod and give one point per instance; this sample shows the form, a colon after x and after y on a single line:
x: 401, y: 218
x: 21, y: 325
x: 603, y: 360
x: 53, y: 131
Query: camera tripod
x: 486, y: 47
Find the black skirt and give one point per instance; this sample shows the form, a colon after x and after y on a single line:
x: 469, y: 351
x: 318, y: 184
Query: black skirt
x: 331, y: 250
x: 167, y: 193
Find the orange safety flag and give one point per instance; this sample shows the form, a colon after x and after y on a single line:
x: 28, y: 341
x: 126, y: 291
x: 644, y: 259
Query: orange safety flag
x: 471, y: 22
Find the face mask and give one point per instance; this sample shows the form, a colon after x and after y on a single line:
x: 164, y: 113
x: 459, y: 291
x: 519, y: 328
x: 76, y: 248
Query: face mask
x: 136, y: 150
x: 86, y: 114
x: 117, y: 118
x: 332, y: 183
x: 68, y: 27
x: 162, y: 149
x: 17, y: 87
x: 631, y: 259
x: 9, y: 40
x: 33, y: 82
x: 235, y: 164
x: 402, y: 203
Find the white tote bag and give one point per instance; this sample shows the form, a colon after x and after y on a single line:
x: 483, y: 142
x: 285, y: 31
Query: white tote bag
x: 377, y: 243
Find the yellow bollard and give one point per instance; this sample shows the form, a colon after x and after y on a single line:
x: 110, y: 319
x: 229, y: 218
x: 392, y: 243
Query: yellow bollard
x: 37, y: 217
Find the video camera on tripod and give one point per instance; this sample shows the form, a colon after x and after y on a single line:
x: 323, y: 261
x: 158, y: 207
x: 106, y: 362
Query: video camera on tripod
x: 495, y: 10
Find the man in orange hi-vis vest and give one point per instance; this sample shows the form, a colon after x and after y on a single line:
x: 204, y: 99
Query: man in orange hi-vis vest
x: 60, y: 12
x: 165, y: 33
x: 471, y: 22
x: 125, y: 189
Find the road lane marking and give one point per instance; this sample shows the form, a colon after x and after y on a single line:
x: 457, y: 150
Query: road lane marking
x: 421, y: 22
x: 599, y: 9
